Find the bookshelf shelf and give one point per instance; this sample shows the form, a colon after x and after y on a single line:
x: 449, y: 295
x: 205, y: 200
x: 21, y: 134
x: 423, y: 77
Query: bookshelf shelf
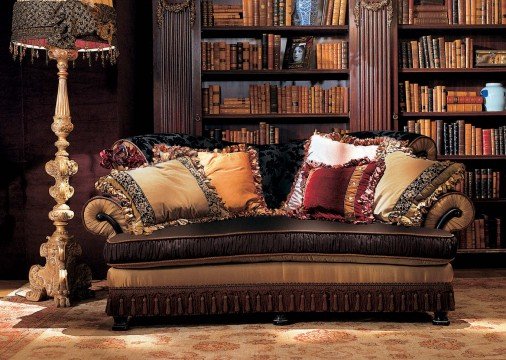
x: 491, y: 70
x: 482, y: 251
x: 471, y: 157
x: 235, y: 75
x: 489, y: 201
x: 253, y: 31
x: 453, y: 28
x: 278, y: 118
x: 461, y: 115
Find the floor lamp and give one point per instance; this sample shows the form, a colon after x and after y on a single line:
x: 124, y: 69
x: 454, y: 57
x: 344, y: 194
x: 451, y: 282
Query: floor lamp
x: 63, y: 30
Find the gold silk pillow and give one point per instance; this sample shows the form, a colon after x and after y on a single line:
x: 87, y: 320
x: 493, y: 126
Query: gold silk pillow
x: 168, y: 193
x: 234, y: 173
x: 410, y: 185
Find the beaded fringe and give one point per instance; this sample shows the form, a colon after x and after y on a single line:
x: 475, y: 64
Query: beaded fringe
x: 204, y: 300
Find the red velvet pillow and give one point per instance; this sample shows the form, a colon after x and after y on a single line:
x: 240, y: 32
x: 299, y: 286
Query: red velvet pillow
x: 342, y: 193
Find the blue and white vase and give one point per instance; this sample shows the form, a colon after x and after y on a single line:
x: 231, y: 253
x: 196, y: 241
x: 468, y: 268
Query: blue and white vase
x: 495, y: 96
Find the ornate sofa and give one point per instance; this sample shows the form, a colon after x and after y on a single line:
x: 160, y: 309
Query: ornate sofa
x: 276, y: 264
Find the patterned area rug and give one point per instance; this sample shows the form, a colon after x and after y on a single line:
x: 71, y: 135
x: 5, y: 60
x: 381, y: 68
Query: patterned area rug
x: 478, y: 330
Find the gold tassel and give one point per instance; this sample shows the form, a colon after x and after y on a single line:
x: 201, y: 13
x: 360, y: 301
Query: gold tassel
x: 167, y: 305
x: 144, y: 306
x: 132, y: 307
x: 369, y: 302
x: 302, y: 305
x: 225, y: 304
x: 190, y: 305
x: 202, y: 305
x: 121, y: 310
x: 156, y: 309
x: 179, y: 306
x: 247, y: 305
x: 236, y: 303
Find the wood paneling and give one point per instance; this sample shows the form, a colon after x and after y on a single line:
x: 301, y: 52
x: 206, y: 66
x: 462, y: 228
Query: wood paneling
x: 176, y: 72
x: 371, y: 44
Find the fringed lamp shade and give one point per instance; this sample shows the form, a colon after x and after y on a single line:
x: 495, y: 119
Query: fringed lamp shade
x: 84, y: 25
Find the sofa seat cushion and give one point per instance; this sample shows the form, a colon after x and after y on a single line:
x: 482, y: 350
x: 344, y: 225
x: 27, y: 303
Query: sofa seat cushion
x: 262, y: 238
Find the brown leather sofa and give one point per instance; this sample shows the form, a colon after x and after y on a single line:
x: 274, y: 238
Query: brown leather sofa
x: 277, y: 264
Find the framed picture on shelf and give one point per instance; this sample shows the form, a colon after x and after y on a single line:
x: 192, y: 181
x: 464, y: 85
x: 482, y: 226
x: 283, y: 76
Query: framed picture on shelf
x: 307, y: 12
x: 298, y: 53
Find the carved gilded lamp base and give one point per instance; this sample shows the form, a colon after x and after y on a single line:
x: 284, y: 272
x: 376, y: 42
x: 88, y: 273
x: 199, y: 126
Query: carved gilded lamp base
x: 60, y: 277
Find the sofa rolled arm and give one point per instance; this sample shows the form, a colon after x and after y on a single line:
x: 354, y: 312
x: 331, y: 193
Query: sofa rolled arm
x: 453, y: 211
x: 104, y: 216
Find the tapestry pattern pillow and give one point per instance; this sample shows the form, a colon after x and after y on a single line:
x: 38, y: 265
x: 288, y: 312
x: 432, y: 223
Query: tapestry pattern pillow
x: 342, y: 193
x: 234, y: 173
x: 335, y: 150
x: 410, y: 185
x: 170, y: 193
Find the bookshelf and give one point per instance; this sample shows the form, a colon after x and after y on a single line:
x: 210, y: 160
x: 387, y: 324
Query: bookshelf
x: 235, y: 85
x: 470, y: 78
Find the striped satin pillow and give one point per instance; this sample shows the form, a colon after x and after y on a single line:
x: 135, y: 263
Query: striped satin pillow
x: 343, y: 193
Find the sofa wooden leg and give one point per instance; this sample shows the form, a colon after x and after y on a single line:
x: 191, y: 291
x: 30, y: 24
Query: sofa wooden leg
x: 441, y: 318
x: 280, y: 319
x: 120, y: 323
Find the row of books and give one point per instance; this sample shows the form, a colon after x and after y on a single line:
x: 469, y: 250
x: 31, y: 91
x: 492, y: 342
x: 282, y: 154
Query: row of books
x: 242, y: 55
x: 470, y: 12
x: 273, y: 13
x: 483, y: 233
x: 429, y: 52
x: 461, y: 138
x: 481, y: 184
x: 332, y: 55
x: 422, y: 13
x: 265, y: 134
x: 272, y: 99
x: 414, y: 97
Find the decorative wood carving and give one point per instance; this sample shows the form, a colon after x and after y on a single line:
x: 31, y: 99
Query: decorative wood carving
x: 176, y: 47
x: 60, y: 277
x: 371, y: 65
x: 165, y: 6
x: 373, y: 5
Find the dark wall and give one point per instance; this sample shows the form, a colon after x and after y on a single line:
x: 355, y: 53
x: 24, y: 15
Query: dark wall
x: 106, y: 104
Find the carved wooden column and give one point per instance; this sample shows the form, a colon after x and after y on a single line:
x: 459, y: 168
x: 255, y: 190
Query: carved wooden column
x: 371, y: 73
x: 176, y: 57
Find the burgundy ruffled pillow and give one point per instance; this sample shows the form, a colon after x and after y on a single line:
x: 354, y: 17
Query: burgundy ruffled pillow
x: 344, y: 193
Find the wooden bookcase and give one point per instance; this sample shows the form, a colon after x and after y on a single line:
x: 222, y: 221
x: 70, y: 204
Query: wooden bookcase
x: 373, y: 74
x: 236, y: 82
x: 468, y: 79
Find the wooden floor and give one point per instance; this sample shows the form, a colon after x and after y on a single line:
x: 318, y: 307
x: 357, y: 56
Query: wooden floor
x: 8, y: 286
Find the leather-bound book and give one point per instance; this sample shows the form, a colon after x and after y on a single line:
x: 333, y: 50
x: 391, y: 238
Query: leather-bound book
x: 273, y: 98
x: 270, y: 51
x: 487, y: 142
x: 275, y: 13
x: 232, y: 58
x: 203, y: 55
x: 205, y: 101
x: 462, y: 137
x: 282, y: 13
x: 263, y: 12
x: 277, y: 52
x: 342, y: 12
x: 289, y: 108
x: 241, y: 52
x: 344, y: 55
x: 256, y: 12
x: 265, y: 51
x: 289, y: 12
x: 329, y: 9
x: 335, y: 12
x: 269, y: 20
